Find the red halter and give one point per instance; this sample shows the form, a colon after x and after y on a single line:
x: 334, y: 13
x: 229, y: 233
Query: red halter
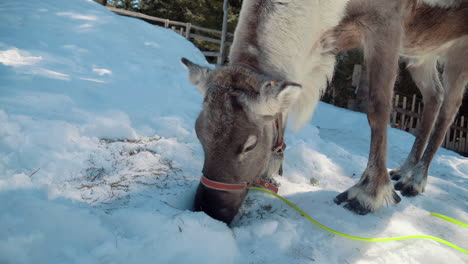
x: 236, y: 187
x: 278, y: 148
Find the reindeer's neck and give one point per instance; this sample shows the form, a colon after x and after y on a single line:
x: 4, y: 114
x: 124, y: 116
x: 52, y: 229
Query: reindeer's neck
x: 277, y: 37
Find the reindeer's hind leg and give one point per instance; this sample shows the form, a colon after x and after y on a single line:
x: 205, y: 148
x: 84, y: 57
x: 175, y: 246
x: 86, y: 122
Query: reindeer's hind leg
x: 426, y: 77
x: 382, y: 41
x: 455, y: 79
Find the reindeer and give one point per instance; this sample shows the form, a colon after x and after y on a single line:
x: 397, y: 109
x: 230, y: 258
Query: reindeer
x: 281, y: 59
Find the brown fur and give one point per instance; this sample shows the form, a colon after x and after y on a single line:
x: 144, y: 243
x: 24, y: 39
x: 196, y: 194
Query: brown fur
x: 236, y: 98
x: 427, y: 28
x: 250, y: 38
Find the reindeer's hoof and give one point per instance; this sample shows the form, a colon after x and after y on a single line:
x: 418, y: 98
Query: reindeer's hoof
x: 398, y: 186
x: 396, y: 197
x: 370, y: 204
x: 356, y: 207
x: 395, y: 175
x: 342, y: 197
x: 408, y: 189
x: 352, y: 205
x: 409, y: 192
x: 413, y: 183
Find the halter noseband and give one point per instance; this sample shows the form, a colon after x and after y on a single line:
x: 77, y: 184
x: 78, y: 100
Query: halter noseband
x: 236, y: 187
x: 277, y: 149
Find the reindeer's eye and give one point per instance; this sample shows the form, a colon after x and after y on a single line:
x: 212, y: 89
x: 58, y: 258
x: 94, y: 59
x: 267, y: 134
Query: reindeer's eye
x: 249, y: 148
x: 250, y: 144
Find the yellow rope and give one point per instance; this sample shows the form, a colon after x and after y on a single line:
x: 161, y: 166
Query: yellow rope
x: 446, y: 218
x: 371, y: 239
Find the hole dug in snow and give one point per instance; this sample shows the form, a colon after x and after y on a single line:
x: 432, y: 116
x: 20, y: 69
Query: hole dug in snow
x: 119, y: 167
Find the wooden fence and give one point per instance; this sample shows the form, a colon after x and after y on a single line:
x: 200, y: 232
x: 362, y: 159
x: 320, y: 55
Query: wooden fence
x: 189, y: 31
x: 406, y: 115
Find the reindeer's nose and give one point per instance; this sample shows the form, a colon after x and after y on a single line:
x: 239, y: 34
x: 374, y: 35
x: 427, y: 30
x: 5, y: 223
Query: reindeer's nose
x: 220, y: 205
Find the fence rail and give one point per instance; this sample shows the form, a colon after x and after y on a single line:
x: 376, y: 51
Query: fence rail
x: 186, y: 30
x: 406, y: 115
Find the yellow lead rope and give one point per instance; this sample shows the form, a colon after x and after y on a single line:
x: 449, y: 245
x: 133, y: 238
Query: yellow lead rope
x: 371, y: 239
x: 446, y: 218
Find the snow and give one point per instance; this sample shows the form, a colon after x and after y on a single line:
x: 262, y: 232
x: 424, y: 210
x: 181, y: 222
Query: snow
x: 99, y: 161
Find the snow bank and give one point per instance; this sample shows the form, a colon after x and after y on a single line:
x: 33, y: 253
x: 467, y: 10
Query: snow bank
x: 99, y: 161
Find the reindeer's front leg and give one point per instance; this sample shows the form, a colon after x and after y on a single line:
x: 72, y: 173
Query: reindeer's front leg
x: 381, y: 46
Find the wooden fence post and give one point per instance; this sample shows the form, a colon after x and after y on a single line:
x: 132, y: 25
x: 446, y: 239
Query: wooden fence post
x: 395, y: 105
x: 447, y: 138
x: 413, y: 105
x: 356, y: 79
x: 465, y: 147
x: 188, y: 28
x: 223, y: 34
x: 461, y: 142
x: 419, y: 115
x: 403, y: 116
x: 454, y: 135
x: 466, y: 138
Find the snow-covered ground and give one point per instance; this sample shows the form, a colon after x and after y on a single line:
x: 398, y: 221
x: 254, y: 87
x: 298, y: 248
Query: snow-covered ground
x: 99, y: 161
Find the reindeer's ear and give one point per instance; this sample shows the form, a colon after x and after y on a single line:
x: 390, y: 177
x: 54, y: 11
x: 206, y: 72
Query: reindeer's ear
x: 275, y: 97
x: 197, y: 74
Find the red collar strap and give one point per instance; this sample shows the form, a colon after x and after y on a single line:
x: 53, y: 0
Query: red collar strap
x: 236, y: 187
x: 279, y: 148
x: 267, y: 185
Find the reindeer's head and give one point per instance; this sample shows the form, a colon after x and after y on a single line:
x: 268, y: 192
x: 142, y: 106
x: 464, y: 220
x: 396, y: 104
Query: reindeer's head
x: 236, y: 128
